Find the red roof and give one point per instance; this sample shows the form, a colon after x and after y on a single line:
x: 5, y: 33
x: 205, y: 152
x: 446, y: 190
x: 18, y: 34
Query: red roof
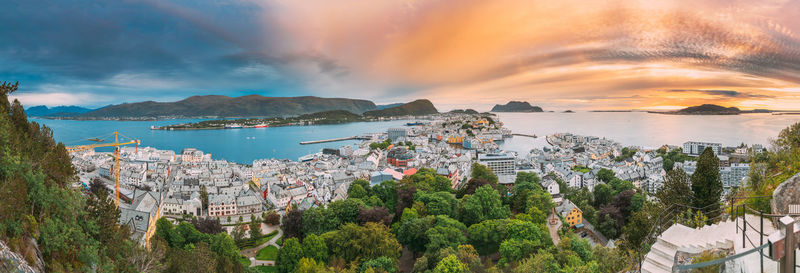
x: 411, y: 171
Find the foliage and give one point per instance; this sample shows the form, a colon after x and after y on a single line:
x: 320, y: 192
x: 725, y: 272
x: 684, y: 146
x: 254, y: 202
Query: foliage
x: 314, y: 247
x: 289, y: 255
x: 677, y: 189
x: 273, y: 218
x: 380, y: 264
x: 427, y: 180
x: 356, y: 243
x: 451, y: 264
x: 706, y: 184
x: 292, y: 225
x: 485, y: 204
x: 707, y: 256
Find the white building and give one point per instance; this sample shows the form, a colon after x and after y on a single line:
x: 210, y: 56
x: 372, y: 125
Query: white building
x: 696, y: 148
x: 503, y: 165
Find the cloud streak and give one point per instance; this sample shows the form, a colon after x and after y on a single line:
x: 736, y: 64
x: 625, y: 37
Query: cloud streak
x: 565, y: 54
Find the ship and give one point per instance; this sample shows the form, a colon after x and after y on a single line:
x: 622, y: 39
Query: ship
x: 233, y: 126
x: 416, y: 123
x: 262, y: 125
x: 306, y: 158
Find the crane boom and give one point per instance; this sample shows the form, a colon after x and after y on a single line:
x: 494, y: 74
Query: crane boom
x: 116, y: 144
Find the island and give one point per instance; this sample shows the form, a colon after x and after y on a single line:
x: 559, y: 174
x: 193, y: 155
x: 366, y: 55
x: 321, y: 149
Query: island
x: 412, y: 109
x: 517, y: 106
x: 217, y: 106
x: 705, y: 109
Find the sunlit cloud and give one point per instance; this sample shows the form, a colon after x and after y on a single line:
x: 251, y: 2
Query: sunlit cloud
x: 580, y: 55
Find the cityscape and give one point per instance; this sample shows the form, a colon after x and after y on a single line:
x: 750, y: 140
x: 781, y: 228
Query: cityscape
x: 505, y: 136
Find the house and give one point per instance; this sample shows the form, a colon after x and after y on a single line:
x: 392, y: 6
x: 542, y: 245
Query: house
x: 221, y: 205
x: 141, y: 216
x: 575, y: 217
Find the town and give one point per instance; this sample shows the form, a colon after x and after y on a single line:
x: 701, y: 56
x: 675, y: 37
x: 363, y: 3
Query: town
x: 191, y: 184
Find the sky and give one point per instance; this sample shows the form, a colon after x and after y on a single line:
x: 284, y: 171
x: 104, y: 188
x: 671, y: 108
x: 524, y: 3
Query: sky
x: 578, y: 55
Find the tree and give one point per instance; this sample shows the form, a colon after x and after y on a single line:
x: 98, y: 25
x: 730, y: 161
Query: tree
x: 405, y: 196
x: 376, y: 214
x: 289, y: 255
x: 255, y: 228
x: 204, y: 197
x: 353, y: 242
x: 272, y: 218
x: 706, y: 184
x: 485, y: 204
x: 347, y: 210
x: 482, y: 172
x: 207, y: 225
x: 438, y: 203
x: 356, y: 191
x: 238, y: 233
x: 487, y: 236
x: 788, y: 139
x: 668, y: 164
x: 677, y: 189
x: 603, y: 194
x: 543, y: 261
x: 605, y: 175
x: 223, y: 245
x: 314, y: 247
x: 319, y: 220
x: 309, y: 265
x: 450, y: 264
x: 380, y: 264
x: 292, y: 225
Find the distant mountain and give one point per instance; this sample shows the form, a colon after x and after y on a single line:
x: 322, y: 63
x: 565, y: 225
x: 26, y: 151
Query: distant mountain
x: 386, y: 106
x: 224, y: 106
x: 516, y: 106
x: 58, y: 111
x: 333, y: 114
x: 415, y: 108
x: 464, y: 111
x: 707, y: 109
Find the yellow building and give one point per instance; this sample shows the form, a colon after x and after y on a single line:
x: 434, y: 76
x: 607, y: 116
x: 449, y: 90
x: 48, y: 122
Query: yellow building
x: 575, y: 217
x: 455, y: 139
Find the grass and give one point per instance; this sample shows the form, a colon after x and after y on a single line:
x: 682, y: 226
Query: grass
x: 582, y: 169
x: 266, y: 269
x: 244, y: 261
x: 268, y: 253
x: 279, y: 241
x: 263, y: 239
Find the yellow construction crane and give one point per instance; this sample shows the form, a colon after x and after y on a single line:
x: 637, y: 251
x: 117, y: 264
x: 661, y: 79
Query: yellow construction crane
x: 115, y: 144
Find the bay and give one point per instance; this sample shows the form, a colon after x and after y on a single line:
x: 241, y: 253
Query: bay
x: 644, y: 129
x: 237, y: 145
x: 245, y: 145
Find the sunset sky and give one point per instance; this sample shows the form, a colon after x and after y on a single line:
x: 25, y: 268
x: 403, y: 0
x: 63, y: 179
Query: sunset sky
x: 579, y: 55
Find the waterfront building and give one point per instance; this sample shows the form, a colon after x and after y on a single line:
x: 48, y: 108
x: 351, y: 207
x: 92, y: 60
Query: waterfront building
x: 503, y: 165
x: 695, y: 148
x: 397, y: 133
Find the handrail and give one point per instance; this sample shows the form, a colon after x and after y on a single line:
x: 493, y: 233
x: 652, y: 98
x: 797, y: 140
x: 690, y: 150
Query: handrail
x: 719, y: 261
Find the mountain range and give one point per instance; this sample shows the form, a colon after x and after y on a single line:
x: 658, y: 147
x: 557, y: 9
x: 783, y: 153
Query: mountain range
x: 516, y: 106
x: 414, y: 108
x: 58, y: 111
x: 224, y: 106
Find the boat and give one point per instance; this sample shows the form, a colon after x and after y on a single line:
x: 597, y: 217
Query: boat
x: 416, y: 123
x: 262, y: 125
x: 233, y: 126
x: 306, y: 158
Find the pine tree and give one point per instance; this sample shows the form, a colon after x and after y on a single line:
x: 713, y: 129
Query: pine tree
x: 706, y: 184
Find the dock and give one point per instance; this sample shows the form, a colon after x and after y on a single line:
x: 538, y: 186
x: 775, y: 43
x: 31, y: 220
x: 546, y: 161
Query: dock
x: 327, y: 140
x: 525, y: 135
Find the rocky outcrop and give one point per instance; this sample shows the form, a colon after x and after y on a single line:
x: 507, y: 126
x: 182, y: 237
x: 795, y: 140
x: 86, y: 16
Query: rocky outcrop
x: 13, y: 262
x: 786, y: 194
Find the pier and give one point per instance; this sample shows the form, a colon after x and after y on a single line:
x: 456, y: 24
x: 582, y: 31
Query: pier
x: 327, y: 140
x: 525, y: 135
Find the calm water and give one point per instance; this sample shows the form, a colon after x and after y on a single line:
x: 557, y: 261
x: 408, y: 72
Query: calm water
x: 245, y: 145
x: 644, y: 129
x: 238, y: 145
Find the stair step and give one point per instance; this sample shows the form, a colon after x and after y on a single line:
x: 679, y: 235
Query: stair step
x: 651, y: 268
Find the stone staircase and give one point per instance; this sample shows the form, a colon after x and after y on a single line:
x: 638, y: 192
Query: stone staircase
x: 661, y: 257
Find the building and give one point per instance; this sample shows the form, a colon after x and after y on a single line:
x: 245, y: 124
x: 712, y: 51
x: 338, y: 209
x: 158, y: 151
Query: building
x: 191, y: 155
x: 141, y: 216
x: 221, y: 205
x: 503, y: 165
x: 397, y: 133
x: 399, y: 157
x: 731, y: 176
x: 695, y: 148
x: 575, y: 217
x: 248, y: 204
